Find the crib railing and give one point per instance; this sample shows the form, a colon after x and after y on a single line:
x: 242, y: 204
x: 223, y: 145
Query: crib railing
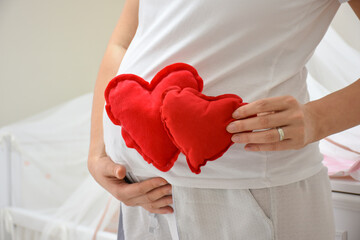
x: 5, y: 171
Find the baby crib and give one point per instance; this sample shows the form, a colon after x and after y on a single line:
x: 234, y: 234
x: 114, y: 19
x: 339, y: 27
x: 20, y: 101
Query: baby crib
x: 46, y: 190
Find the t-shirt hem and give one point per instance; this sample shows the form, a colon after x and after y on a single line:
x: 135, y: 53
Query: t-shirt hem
x: 241, y: 183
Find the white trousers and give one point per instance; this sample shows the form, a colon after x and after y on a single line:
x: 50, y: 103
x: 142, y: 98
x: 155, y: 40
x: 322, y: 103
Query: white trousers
x: 297, y: 211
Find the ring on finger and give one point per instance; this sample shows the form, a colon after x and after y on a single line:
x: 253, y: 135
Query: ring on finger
x: 281, y: 133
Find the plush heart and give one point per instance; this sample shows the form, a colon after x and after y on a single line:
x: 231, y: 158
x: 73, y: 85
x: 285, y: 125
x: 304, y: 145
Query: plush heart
x: 135, y: 104
x: 197, y: 123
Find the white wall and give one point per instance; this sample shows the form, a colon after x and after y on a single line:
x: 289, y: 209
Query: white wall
x: 50, y: 51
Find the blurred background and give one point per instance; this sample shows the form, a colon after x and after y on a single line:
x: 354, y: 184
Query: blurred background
x: 50, y: 51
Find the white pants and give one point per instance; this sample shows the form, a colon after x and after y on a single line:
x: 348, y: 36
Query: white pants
x: 297, y: 211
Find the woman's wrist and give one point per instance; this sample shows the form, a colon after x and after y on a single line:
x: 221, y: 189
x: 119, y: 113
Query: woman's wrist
x: 96, y: 153
x: 335, y: 112
x: 314, y: 123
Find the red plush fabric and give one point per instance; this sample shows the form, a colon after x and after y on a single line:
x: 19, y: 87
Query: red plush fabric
x: 197, y: 123
x: 135, y: 104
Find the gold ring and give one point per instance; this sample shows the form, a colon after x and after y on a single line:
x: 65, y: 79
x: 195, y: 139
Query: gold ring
x: 281, y: 133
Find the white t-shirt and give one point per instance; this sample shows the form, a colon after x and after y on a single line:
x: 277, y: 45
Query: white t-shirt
x: 255, y: 49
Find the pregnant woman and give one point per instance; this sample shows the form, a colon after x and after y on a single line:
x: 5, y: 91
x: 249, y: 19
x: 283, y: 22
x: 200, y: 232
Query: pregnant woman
x: 270, y: 183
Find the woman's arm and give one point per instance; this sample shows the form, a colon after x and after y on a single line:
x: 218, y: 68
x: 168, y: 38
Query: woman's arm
x: 119, y: 41
x: 302, y: 124
x: 154, y: 194
x: 335, y: 112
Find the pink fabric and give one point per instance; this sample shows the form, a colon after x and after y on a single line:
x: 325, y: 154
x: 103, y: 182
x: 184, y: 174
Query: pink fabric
x: 338, y: 167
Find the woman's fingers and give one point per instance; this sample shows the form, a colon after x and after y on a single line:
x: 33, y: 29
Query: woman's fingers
x: 160, y: 205
x: 115, y: 170
x: 267, y: 136
x: 152, y: 196
x: 264, y: 121
x: 107, y: 173
x: 258, y: 125
x: 277, y: 146
x: 163, y: 210
x: 142, y: 188
x: 264, y: 105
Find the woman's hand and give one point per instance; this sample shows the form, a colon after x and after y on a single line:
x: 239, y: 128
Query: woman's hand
x: 154, y: 194
x: 296, y: 121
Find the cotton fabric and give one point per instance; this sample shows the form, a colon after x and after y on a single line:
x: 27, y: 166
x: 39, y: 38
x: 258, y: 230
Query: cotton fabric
x: 296, y: 211
x: 254, y: 49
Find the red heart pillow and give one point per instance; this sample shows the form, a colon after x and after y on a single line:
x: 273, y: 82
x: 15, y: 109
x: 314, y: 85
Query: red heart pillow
x: 197, y: 123
x: 135, y: 104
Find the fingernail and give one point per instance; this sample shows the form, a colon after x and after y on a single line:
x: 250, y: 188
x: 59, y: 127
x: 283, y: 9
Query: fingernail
x: 162, y: 183
x: 236, y: 115
x: 235, y: 139
x: 231, y: 128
